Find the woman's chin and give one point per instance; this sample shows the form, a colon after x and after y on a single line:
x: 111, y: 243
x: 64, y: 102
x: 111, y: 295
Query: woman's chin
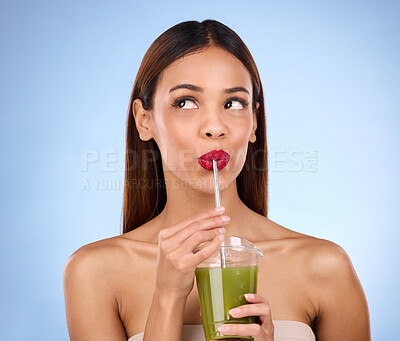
x: 205, y: 186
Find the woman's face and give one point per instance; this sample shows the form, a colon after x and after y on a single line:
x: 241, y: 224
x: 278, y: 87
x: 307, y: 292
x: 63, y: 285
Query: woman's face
x: 189, y: 122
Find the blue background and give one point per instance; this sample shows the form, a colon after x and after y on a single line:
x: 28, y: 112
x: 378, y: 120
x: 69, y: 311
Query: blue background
x: 330, y: 71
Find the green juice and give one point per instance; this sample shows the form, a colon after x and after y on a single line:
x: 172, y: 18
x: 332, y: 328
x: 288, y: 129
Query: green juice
x: 221, y: 289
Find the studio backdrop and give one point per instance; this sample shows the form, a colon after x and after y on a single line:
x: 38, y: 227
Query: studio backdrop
x: 330, y: 71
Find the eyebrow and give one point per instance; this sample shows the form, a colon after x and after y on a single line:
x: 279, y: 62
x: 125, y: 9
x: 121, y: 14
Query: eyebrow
x: 199, y: 89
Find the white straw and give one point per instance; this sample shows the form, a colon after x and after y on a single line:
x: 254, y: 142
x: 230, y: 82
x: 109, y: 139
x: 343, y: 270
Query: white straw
x: 217, y: 204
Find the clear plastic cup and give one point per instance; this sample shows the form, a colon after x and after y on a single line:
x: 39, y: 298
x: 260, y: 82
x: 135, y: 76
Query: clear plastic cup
x: 223, y: 288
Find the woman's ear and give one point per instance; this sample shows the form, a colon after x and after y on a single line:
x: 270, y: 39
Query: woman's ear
x: 253, y: 131
x: 142, y: 119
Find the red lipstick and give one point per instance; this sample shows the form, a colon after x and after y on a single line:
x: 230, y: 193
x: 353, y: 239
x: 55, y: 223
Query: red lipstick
x: 221, y: 156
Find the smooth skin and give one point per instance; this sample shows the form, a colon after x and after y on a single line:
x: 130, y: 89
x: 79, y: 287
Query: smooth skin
x: 143, y: 280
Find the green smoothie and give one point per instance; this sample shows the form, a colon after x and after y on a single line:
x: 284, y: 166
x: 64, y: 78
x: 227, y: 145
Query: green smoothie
x: 221, y: 289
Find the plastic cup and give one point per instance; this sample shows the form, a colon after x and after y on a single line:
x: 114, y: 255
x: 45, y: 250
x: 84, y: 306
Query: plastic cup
x: 223, y: 288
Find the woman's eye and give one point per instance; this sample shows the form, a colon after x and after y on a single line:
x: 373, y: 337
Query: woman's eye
x: 184, y: 103
x: 180, y: 103
x: 236, y: 104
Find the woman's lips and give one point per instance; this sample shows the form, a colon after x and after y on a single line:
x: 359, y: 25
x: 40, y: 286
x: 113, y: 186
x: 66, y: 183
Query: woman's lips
x: 207, y: 164
x: 221, y: 156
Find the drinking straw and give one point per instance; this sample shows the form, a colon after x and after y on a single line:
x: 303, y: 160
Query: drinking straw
x: 217, y: 204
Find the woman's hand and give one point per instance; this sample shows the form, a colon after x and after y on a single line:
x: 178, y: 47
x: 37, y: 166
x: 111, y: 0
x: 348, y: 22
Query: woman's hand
x: 259, y: 307
x: 176, y: 261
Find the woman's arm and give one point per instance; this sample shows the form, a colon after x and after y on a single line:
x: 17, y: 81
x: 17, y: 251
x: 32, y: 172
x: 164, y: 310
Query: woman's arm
x: 342, y: 305
x: 91, y: 309
x: 176, y: 264
x: 165, y: 318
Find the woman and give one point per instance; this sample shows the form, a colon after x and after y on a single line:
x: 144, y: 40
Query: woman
x: 198, y: 91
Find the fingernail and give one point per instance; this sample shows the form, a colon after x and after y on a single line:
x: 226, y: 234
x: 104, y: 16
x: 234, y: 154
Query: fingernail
x: 221, y: 230
x: 221, y: 237
x: 223, y: 329
x: 225, y: 218
x: 234, y: 311
x: 220, y: 209
x: 249, y: 296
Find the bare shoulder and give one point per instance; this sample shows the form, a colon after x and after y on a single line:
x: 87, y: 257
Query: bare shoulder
x: 317, y: 251
x: 108, y: 260
x: 337, y: 292
x: 321, y: 260
x: 328, y: 260
x: 332, y: 284
x: 331, y: 269
x: 91, y: 281
x: 97, y: 267
x: 101, y: 285
x: 96, y: 257
x: 329, y: 281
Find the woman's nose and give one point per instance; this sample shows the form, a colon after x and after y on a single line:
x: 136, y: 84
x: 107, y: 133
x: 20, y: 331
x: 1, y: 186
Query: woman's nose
x: 214, y: 129
x: 215, y: 134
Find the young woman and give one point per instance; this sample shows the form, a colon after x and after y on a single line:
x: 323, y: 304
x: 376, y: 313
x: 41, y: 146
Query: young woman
x: 198, y: 91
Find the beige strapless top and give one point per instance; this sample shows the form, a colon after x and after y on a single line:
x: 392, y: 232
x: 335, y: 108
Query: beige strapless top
x: 283, y: 331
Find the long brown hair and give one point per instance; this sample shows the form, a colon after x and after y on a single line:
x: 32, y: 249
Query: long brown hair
x: 144, y: 187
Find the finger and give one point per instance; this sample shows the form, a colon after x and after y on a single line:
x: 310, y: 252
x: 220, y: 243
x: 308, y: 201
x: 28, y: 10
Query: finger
x: 198, y: 238
x: 171, y: 230
x: 186, y: 263
x: 174, y: 242
x: 205, y: 224
x: 255, y: 298
x: 251, y: 329
x: 184, y: 250
x: 194, y: 259
x: 255, y: 309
